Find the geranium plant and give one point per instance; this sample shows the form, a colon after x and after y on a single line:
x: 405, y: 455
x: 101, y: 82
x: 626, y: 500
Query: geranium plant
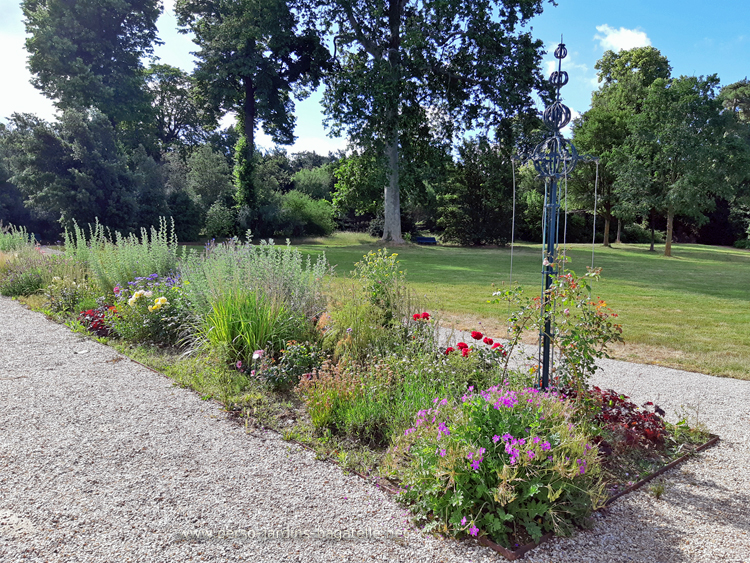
x: 500, y: 463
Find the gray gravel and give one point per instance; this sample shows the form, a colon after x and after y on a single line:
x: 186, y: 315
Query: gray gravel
x: 104, y: 460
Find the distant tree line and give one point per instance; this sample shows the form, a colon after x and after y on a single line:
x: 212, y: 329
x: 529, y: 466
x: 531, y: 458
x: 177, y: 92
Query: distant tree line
x: 436, y: 99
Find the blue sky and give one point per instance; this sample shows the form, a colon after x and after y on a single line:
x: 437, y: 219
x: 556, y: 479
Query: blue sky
x: 698, y: 38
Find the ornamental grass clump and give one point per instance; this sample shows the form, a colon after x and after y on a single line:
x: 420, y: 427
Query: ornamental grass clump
x: 508, y: 465
x: 14, y: 238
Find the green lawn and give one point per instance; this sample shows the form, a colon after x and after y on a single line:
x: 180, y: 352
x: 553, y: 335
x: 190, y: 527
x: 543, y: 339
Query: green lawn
x: 691, y: 311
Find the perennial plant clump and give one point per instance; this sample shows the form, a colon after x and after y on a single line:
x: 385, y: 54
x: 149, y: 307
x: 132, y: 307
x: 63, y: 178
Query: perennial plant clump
x: 501, y: 463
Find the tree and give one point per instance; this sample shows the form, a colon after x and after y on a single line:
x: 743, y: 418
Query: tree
x: 252, y: 57
x: 74, y: 169
x: 676, y: 159
x: 440, y: 66
x: 736, y: 98
x: 625, y: 78
x: 208, y: 177
x: 477, y: 206
x: 177, y: 119
x: 88, y: 53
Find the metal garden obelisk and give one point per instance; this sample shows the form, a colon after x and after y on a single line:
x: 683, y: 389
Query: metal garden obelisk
x: 554, y: 158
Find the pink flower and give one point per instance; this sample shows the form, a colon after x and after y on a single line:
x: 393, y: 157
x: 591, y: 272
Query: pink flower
x: 473, y: 530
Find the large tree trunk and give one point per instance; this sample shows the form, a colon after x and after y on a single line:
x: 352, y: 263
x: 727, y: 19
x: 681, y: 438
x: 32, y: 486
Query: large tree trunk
x: 606, y: 229
x: 670, y: 225
x: 392, y: 207
x: 619, y: 229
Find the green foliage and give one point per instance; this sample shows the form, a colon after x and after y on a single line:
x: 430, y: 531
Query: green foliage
x: 74, y: 169
x: 208, y: 177
x: 118, y: 259
x: 377, y: 90
x: 476, y: 206
x: 303, y: 215
x: 70, y: 285
x: 219, y: 220
x: 151, y: 309
x: 384, y: 284
x: 297, y: 360
x: 678, y: 156
x: 252, y: 56
x: 89, y: 54
x: 178, y: 121
x: 187, y: 216
x: 584, y: 326
x: 498, y: 463
x: 280, y: 275
x: 242, y: 321
x: 315, y: 182
x: 25, y: 272
x: 13, y: 238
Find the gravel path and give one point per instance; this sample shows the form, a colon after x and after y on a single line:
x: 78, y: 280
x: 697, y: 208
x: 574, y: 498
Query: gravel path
x: 103, y: 460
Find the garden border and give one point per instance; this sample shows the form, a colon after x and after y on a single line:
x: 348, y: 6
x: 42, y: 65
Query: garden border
x: 511, y: 555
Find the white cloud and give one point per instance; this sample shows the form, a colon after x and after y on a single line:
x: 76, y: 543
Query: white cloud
x: 621, y: 39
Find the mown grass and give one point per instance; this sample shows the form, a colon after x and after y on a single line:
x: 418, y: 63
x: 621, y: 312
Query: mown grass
x: 690, y: 311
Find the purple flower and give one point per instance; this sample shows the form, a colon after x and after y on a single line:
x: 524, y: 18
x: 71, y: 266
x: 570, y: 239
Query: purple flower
x: 475, y: 464
x: 442, y: 453
x: 463, y: 521
x: 546, y: 446
x: 473, y: 530
x: 531, y: 455
x: 496, y: 438
x: 536, y: 439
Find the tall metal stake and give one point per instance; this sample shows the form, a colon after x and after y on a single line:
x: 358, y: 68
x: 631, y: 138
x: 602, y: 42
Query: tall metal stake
x: 554, y: 158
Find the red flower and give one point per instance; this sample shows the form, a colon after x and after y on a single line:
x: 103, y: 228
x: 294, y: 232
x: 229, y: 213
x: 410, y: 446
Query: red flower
x: 426, y: 316
x: 487, y: 340
x: 449, y: 349
x: 416, y: 316
x: 462, y: 345
x: 464, y: 352
x: 476, y: 335
x: 496, y: 345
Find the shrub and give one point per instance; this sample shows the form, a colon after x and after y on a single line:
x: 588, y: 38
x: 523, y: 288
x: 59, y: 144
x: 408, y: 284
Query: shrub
x: 297, y: 360
x: 349, y: 398
x: 303, y: 215
x: 69, y: 285
x: 277, y: 273
x: 26, y: 272
x: 384, y: 284
x: 498, y: 463
x: 219, y: 220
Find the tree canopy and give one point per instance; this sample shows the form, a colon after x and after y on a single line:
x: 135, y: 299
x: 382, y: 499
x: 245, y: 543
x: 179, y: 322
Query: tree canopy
x: 89, y: 53
x: 441, y: 66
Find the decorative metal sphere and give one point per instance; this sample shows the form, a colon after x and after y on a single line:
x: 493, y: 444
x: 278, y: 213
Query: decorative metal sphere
x: 561, y: 52
x: 556, y: 116
x: 558, y: 78
x: 555, y: 157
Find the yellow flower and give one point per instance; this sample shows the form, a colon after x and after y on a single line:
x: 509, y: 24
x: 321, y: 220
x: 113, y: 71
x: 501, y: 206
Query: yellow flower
x: 161, y: 301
